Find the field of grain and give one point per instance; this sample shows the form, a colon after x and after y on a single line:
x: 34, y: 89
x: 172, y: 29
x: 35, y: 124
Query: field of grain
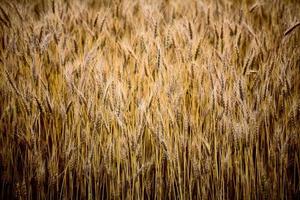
x: 141, y: 99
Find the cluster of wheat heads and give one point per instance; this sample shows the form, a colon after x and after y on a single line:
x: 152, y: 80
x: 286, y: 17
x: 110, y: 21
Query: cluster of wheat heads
x: 141, y: 99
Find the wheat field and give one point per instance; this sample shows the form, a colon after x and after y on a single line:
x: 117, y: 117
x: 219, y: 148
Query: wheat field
x: 141, y: 99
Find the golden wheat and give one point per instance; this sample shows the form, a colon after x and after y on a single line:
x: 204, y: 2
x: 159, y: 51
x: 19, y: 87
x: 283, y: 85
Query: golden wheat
x: 149, y: 99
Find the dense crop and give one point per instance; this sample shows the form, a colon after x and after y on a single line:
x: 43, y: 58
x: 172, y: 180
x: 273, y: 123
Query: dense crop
x: 140, y: 99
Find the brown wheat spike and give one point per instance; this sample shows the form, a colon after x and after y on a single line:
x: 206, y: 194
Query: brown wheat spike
x: 190, y: 31
x: 197, y: 51
x: 155, y: 30
x: 40, y: 105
